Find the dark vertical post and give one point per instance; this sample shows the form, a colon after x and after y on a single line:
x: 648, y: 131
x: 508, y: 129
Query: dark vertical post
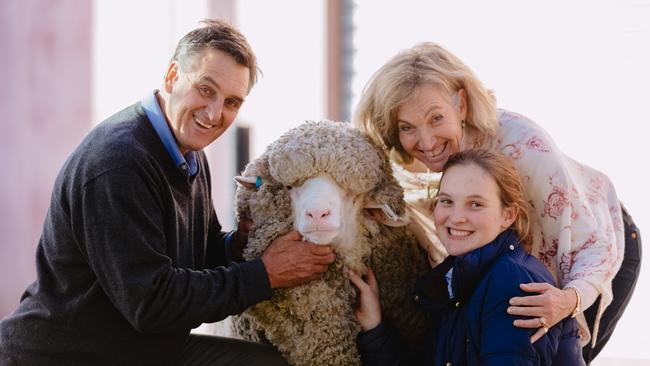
x: 340, y: 52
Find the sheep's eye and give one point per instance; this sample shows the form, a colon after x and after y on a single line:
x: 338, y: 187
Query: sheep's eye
x: 289, y: 187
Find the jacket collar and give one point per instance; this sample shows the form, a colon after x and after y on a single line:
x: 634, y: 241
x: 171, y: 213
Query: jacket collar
x: 470, y: 267
x: 468, y: 270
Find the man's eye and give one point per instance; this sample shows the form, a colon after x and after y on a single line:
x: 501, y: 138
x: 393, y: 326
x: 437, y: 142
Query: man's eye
x: 205, y: 91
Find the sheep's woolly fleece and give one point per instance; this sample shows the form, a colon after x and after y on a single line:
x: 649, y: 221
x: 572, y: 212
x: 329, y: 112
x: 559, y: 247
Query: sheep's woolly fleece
x: 314, y: 323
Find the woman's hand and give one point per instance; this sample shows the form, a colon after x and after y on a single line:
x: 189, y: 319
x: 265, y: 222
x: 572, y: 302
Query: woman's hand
x: 369, y: 311
x: 548, y: 308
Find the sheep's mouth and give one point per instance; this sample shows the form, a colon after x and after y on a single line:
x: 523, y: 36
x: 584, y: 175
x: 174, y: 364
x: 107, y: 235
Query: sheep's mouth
x: 320, y: 236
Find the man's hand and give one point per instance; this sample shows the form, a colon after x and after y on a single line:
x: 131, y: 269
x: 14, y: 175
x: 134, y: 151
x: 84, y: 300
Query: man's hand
x: 369, y: 311
x: 290, y: 261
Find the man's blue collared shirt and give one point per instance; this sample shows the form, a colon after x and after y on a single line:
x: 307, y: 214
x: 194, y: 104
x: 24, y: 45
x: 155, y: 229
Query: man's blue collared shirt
x: 187, y: 164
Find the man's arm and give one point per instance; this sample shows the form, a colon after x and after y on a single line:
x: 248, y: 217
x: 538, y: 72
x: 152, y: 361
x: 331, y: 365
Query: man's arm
x: 119, y: 227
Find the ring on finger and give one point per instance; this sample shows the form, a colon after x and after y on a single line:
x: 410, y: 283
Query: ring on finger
x: 542, y: 321
x: 545, y: 329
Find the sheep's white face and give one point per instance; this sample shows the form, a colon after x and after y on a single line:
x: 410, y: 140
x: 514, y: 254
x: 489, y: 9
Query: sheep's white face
x: 322, y: 210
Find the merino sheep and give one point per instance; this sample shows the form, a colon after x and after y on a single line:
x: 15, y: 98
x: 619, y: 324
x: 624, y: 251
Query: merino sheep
x: 322, y: 178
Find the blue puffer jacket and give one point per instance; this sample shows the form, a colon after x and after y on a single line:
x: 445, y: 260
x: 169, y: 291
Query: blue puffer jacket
x: 474, y: 328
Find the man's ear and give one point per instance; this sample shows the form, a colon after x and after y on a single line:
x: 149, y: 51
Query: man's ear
x: 171, y: 76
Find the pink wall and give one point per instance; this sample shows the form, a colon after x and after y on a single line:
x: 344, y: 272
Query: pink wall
x: 46, y: 103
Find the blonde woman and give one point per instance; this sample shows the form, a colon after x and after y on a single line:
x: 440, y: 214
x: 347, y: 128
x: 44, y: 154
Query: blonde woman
x: 425, y: 104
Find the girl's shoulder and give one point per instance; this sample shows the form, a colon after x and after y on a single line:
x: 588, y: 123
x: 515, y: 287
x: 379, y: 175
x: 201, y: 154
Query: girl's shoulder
x: 512, y: 269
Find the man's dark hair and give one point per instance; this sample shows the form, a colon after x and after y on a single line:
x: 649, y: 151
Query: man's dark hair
x: 222, y: 36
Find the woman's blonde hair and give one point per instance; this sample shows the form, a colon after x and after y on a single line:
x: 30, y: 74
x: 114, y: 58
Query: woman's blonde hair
x: 511, y: 190
x: 395, y: 82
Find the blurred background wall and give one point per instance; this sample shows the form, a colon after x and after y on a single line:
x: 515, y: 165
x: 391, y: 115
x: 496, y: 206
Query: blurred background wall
x: 578, y: 68
x: 46, y: 108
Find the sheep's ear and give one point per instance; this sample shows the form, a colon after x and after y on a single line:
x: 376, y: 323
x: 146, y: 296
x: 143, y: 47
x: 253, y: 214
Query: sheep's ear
x: 246, y: 182
x: 384, y: 214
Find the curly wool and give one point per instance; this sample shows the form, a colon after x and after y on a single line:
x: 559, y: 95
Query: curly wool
x: 314, y: 323
x: 331, y: 148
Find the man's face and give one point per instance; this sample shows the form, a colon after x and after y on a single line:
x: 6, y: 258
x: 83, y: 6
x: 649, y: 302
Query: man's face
x: 204, y: 97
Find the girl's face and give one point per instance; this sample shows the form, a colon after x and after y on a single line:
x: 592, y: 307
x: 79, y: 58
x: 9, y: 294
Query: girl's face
x: 429, y: 125
x: 469, y: 212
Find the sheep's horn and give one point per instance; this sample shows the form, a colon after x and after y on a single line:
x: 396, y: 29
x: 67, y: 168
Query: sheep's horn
x: 389, y: 217
x: 248, y: 182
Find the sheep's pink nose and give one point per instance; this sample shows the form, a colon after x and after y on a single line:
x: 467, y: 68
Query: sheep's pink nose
x: 317, y: 214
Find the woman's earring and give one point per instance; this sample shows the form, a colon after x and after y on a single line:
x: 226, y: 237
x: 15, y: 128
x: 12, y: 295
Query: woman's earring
x: 429, y: 195
x: 462, y: 130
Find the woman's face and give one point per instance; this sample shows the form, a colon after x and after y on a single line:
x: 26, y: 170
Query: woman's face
x: 429, y: 125
x: 469, y: 212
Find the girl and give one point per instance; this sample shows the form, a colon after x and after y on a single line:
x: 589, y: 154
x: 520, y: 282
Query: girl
x: 481, y: 219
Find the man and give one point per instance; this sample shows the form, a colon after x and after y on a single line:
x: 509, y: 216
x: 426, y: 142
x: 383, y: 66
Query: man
x: 132, y: 255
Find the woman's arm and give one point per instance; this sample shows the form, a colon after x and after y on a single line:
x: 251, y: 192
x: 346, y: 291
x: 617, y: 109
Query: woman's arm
x: 577, y: 222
